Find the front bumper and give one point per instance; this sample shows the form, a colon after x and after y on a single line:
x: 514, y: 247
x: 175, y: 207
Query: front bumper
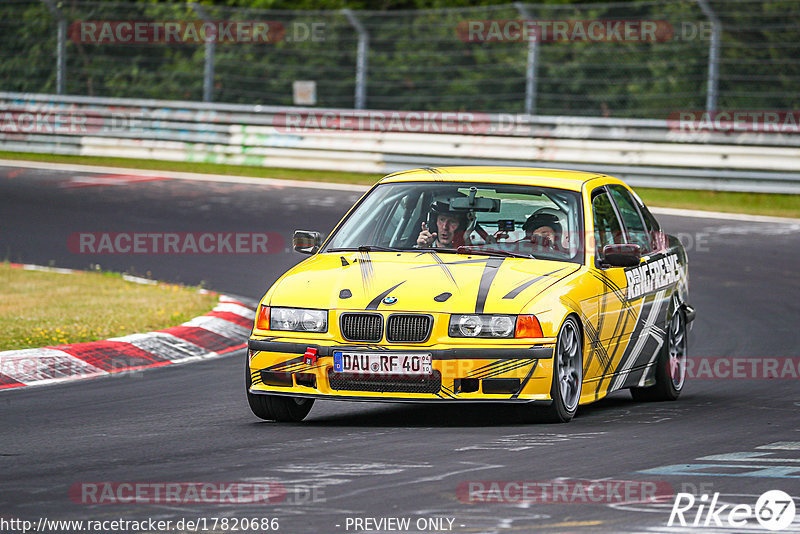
x: 476, y: 373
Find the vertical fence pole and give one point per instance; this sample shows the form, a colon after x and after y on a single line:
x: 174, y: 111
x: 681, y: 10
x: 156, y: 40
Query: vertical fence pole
x: 713, y: 55
x: 531, y: 63
x: 61, y: 46
x: 210, y: 52
x: 361, y: 61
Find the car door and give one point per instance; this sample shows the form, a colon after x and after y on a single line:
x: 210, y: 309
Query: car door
x: 609, y: 318
x: 648, y: 290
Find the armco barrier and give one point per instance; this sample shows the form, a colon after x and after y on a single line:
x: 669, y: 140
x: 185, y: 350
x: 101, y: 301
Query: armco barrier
x: 641, y: 151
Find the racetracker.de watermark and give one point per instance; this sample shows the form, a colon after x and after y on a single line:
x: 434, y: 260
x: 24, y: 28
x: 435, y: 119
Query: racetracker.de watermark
x: 177, y: 493
x: 138, y: 32
x: 562, y: 492
x: 455, y: 122
x: 175, y: 243
x: 735, y: 121
x: 33, y: 120
x: 743, y: 367
x: 550, y: 31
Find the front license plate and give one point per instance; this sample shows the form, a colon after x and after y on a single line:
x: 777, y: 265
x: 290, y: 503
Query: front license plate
x: 390, y: 363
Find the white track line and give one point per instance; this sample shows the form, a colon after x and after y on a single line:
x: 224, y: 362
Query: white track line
x: 183, y: 175
x: 676, y: 212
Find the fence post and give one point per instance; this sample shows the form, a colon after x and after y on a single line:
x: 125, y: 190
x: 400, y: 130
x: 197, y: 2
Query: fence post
x: 210, y: 51
x: 61, y: 46
x: 361, y: 61
x: 713, y: 55
x: 531, y: 63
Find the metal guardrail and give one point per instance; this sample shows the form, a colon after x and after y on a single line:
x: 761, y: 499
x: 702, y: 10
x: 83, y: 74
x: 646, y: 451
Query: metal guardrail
x: 576, y: 58
x: 645, y: 153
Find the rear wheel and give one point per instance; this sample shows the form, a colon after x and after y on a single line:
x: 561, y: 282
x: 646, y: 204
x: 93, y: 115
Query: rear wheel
x: 670, y: 366
x: 567, y: 376
x: 276, y: 407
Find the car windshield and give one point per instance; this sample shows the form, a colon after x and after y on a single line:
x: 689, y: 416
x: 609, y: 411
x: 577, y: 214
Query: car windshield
x: 463, y: 217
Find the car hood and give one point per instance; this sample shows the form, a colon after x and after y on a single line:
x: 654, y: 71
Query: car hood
x: 412, y: 281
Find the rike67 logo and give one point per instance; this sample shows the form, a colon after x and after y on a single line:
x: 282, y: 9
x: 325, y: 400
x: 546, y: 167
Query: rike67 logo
x: 774, y: 510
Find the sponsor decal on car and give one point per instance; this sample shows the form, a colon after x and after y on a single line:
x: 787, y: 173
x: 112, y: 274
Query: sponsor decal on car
x: 652, y: 276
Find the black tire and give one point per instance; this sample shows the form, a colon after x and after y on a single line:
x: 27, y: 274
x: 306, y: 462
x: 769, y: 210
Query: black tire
x: 567, y: 376
x: 670, y: 366
x: 276, y: 407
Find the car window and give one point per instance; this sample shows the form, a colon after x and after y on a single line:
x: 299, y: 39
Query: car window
x: 373, y: 226
x: 637, y: 233
x: 607, y: 228
x: 507, y: 225
x: 542, y: 222
x: 657, y: 235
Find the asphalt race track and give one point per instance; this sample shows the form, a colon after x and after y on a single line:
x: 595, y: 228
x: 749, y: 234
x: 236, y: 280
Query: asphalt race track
x: 735, y: 437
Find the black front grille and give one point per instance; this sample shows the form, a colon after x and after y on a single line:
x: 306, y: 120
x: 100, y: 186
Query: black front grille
x: 408, y: 328
x: 386, y: 384
x: 362, y: 327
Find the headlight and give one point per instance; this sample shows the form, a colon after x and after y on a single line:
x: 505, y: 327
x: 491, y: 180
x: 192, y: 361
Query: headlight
x: 470, y: 325
x: 474, y: 325
x: 298, y: 320
x: 495, y: 326
x: 502, y: 326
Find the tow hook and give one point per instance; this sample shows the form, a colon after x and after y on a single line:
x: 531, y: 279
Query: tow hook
x: 310, y: 356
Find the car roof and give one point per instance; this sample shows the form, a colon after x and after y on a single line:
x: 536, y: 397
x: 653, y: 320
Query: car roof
x: 558, y: 178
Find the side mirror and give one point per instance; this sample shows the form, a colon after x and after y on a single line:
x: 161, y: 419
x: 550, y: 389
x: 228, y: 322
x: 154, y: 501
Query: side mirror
x: 622, y: 255
x: 306, y: 242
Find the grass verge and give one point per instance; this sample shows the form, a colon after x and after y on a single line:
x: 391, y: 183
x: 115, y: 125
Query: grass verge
x: 731, y: 202
x: 726, y: 201
x: 38, y: 309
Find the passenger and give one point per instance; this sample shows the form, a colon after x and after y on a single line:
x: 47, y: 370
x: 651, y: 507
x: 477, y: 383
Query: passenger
x: 544, y: 230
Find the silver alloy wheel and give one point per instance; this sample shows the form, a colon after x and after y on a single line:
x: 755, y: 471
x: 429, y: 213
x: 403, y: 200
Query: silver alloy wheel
x: 677, y: 350
x: 570, y: 369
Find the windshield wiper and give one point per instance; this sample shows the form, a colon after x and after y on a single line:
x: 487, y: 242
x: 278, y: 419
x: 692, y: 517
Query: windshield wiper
x: 492, y: 252
x: 365, y: 248
x: 439, y: 250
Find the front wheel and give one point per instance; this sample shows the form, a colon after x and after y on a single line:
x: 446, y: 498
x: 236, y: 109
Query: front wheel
x: 670, y: 366
x: 565, y: 390
x: 276, y: 407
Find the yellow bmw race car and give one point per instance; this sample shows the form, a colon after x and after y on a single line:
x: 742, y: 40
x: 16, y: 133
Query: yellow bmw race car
x: 542, y: 288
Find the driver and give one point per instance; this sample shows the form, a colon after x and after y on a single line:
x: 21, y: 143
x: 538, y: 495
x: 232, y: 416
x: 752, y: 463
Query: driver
x: 450, y: 226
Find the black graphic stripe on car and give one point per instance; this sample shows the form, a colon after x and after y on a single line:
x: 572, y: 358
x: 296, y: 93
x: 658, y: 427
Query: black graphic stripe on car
x: 255, y: 377
x: 487, y: 277
x: 444, y: 267
x: 374, y: 303
x: 365, y: 265
x: 464, y: 262
x: 610, y: 284
x: 447, y: 391
x: 507, y: 368
x: 284, y: 364
x: 496, y: 363
x: 621, y: 318
x: 496, y: 368
x: 526, y: 379
x: 526, y: 284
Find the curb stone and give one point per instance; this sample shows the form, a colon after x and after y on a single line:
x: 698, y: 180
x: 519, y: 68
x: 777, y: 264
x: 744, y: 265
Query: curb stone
x: 222, y: 330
